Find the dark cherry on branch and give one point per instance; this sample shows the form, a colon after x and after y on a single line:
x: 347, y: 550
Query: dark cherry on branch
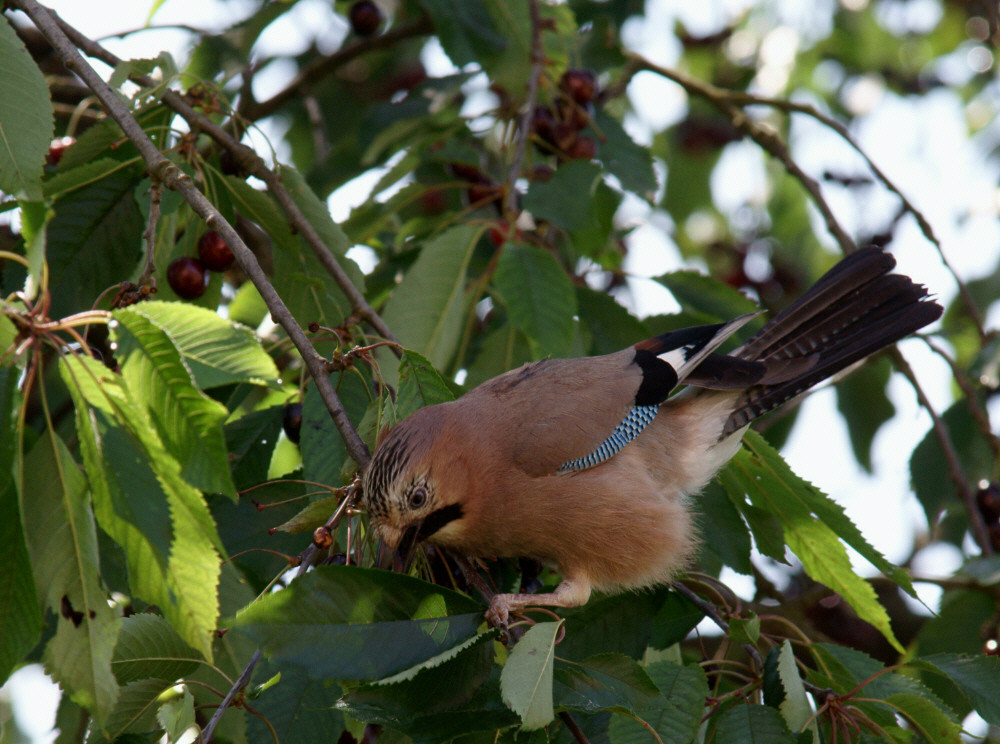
x: 365, y: 17
x: 580, y: 85
x: 291, y: 421
x: 214, y: 252
x: 187, y: 277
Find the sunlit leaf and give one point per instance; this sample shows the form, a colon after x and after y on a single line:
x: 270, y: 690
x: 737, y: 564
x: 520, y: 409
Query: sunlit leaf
x: 760, y: 473
x: 526, y: 681
x: 144, y: 504
x: 436, y: 284
x: 62, y: 543
x: 216, y: 350
x: 188, y: 421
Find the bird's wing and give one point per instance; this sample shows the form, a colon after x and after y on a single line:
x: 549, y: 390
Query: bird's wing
x: 563, y: 415
x: 547, y: 413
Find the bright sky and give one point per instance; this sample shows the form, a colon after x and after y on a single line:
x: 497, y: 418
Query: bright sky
x: 921, y: 144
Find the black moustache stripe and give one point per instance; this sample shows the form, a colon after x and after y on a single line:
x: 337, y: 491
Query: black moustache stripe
x: 438, y: 519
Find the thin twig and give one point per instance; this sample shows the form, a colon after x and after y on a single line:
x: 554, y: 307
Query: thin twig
x: 524, y: 128
x: 155, y: 194
x: 713, y: 614
x: 163, y: 170
x: 574, y: 728
x: 241, y: 682
x: 253, y: 164
x: 763, y: 136
x: 319, y: 68
x: 747, y: 99
x: 977, y: 411
x: 955, y: 470
x: 311, y: 554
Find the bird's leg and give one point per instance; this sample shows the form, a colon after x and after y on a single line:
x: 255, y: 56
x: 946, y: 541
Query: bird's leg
x: 571, y: 592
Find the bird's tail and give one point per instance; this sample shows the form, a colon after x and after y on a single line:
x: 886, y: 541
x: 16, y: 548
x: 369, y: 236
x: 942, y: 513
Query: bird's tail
x: 855, y: 309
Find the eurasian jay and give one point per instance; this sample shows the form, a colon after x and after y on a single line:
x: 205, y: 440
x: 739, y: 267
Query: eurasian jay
x: 588, y: 464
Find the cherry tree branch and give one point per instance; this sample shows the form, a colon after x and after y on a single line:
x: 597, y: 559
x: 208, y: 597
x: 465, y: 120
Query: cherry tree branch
x: 250, y: 162
x: 238, y: 686
x: 163, y: 170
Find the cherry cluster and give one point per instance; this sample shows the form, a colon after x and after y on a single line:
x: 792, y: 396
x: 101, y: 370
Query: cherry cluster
x: 188, y: 276
x: 558, y: 127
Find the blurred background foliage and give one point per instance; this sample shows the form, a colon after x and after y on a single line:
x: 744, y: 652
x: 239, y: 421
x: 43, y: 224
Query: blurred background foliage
x: 509, y: 180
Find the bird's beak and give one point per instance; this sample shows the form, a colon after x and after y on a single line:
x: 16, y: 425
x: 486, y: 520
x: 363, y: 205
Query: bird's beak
x: 396, y: 548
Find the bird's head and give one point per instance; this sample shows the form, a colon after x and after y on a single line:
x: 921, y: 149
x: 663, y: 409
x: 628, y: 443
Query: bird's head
x: 405, y: 488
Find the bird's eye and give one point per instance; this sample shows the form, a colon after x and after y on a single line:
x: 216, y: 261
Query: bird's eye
x: 418, y: 497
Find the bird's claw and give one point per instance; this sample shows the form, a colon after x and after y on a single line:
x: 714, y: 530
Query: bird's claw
x: 498, y: 615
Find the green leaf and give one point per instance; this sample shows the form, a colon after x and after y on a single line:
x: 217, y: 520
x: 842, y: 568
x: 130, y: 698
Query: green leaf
x: 611, y: 326
x: 62, y: 543
x: 307, y: 288
x: 630, y: 163
x: 26, y: 122
x: 675, y: 716
x: 926, y: 718
x: 20, y: 618
x: 317, y: 214
x: 850, y: 668
x: 758, y: 471
x: 623, y: 623
x: 603, y: 682
x: 135, y: 712
x: 177, y: 715
x: 538, y: 296
x: 795, y: 707
x: 250, y: 441
x: 67, y: 180
x: 752, y: 724
x: 436, y: 284
x: 526, y: 680
x: 144, y: 504
x: 724, y: 533
x: 93, y: 240
x: 188, y: 421
x: 323, y: 451
x: 215, y: 350
x: 312, y: 516
x: 565, y: 199
x: 350, y: 623
x: 978, y: 677
x: 401, y: 701
x: 745, y: 630
x: 443, y: 719
x: 698, y: 293
x: 862, y: 398
x: 296, y: 707
x: 149, y: 648
x: 929, y: 471
x: 596, y: 240
x: 465, y: 30
x: 419, y: 385
x: 502, y: 349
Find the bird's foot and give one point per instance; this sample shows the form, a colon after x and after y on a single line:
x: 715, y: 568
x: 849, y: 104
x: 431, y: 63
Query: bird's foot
x: 498, y: 615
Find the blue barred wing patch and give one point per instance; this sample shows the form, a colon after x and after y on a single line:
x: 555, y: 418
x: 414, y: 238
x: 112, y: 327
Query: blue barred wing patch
x: 631, y: 426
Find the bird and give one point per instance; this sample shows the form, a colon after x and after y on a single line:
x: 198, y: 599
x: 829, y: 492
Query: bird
x: 591, y: 465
